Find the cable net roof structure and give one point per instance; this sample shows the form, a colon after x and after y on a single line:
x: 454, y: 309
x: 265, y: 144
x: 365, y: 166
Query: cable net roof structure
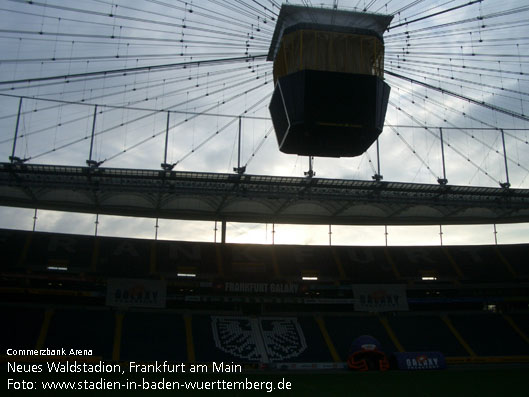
x: 185, y: 86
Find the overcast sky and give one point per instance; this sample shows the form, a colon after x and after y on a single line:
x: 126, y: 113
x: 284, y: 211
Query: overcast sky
x: 477, y: 51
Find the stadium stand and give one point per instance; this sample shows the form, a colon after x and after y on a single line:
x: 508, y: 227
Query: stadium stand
x: 295, y: 261
x: 224, y: 339
x: 514, y: 256
x: 316, y: 348
x: 244, y: 262
x: 139, y: 258
x: 12, y: 243
x: 90, y: 328
x: 116, y: 257
x: 344, y: 329
x: 415, y: 262
x: 496, y: 337
x: 21, y: 328
x: 521, y: 320
x: 150, y: 336
x: 172, y: 259
x: 248, y: 303
x: 366, y: 264
x: 259, y: 339
x: 479, y: 263
x: 430, y: 333
x: 73, y: 252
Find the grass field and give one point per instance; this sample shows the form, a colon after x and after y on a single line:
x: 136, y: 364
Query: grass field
x: 509, y: 382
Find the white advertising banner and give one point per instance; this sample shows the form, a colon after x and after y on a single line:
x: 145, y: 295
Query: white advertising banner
x: 123, y: 292
x: 380, y: 297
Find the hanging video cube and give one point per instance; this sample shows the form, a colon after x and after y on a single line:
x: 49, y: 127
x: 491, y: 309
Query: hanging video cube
x: 330, y: 98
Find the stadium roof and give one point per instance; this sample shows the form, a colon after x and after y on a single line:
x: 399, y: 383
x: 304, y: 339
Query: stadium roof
x: 255, y: 198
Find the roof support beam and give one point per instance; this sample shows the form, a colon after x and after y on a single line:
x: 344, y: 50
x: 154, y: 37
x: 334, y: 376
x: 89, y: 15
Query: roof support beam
x: 255, y: 198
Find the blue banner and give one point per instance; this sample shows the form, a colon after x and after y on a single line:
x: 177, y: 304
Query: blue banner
x: 413, y: 361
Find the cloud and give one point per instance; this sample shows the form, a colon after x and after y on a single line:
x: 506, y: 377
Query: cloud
x: 130, y: 131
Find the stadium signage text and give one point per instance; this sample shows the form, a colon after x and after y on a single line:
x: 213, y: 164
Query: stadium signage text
x: 68, y: 366
x: 413, y: 361
x: 165, y: 367
x: 49, y: 352
x: 380, y: 297
x: 136, y: 293
x: 422, y: 362
x: 262, y: 288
